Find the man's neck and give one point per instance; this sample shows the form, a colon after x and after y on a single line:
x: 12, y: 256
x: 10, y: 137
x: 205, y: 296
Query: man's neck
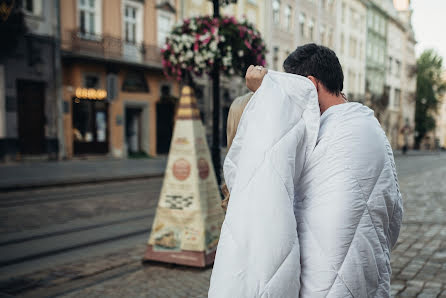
x: 330, y: 100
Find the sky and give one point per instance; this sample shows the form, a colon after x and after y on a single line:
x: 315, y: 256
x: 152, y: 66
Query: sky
x: 429, y: 23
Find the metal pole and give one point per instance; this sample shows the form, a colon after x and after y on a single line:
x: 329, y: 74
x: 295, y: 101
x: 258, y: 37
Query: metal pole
x: 216, y: 108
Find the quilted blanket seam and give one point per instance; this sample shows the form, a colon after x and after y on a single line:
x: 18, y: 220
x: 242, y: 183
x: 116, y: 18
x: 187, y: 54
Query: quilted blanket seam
x: 283, y: 261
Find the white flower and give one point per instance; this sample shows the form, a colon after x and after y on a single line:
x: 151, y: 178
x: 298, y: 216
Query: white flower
x: 213, y: 45
x: 240, y: 53
x: 231, y: 71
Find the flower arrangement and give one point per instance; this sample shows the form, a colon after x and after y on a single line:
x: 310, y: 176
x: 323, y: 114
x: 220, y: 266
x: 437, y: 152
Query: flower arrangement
x: 195, y: 44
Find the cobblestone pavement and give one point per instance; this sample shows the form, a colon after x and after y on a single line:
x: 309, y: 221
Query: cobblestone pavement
x: 418, y: 260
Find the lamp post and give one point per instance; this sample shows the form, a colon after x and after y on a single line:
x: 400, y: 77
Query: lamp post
x: 216, y: 108
x: 215, y: 148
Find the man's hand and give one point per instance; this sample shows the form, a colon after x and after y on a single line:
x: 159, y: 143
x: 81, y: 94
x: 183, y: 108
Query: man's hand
x: 254, y: 76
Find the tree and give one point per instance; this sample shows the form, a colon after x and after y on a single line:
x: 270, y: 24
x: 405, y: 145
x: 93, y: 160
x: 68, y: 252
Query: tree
x: 430, y: 86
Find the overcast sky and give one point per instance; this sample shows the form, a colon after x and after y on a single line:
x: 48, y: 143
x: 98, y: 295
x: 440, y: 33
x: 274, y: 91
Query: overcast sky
x: 429, y: 23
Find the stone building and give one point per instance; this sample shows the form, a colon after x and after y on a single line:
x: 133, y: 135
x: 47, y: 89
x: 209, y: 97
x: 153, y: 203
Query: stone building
x: 409, y: 79
x: 351, y: 29
x: 113, y: 85
x: 30, y: 109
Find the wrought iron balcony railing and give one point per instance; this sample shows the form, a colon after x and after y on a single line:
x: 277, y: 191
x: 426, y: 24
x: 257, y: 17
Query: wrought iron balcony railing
x: 110, y: 47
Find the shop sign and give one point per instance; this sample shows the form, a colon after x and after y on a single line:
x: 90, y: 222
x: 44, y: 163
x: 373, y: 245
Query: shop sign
x: 91, y: 93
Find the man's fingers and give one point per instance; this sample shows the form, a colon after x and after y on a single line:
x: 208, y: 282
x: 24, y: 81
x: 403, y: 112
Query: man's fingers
x: 250, y: 68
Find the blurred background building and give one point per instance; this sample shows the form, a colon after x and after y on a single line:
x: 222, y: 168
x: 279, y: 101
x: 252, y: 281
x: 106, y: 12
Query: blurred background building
x: 115, y: 46
x: 30, y: 74
x: 86, y: 78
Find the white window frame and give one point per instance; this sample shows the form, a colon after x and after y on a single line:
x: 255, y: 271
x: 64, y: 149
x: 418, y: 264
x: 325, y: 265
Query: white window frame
x: 139, y: 26
x: 162, y: 13
x: 97, y: 10
x: 276, y: 12
x: 311, y: 28
x: 288, y: 11
x: 302, y: 18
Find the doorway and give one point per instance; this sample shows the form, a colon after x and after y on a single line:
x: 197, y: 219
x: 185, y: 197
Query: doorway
x: 133, y: 129
x: 90, y: 130
x: 31, y: 116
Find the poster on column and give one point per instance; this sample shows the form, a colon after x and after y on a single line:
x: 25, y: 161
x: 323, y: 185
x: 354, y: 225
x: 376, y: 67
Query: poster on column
x: 189, y: 216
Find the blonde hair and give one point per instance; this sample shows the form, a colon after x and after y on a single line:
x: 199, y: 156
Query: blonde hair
x: 235, y: 113
x: 234, y: 116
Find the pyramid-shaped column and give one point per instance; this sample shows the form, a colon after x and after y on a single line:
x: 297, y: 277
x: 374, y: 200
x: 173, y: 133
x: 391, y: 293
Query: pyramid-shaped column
x: 188, y: 218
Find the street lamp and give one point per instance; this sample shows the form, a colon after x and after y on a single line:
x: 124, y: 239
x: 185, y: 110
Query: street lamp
x: 216, y: 100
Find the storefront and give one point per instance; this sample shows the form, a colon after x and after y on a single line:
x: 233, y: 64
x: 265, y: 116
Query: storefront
x: 90, y: 117
x: 116, y: 118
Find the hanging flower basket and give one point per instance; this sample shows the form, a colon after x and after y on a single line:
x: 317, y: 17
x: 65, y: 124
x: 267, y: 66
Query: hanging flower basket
x: 195, y: 45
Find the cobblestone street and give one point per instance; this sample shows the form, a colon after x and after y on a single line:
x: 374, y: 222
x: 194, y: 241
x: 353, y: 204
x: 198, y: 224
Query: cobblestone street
x: 418, y: 261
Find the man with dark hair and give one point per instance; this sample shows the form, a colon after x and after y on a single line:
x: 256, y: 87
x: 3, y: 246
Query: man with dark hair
x: 347, y: 203
x: 317, y: 63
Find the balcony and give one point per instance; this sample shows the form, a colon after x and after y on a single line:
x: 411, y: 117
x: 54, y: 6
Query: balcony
x: 106, y: 47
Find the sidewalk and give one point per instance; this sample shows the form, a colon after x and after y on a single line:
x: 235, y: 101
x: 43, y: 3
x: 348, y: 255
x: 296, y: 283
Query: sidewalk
x: 59, y: 173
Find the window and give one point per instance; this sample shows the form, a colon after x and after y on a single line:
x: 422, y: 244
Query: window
x: 164, y: 26
x: 360, y: 50
x: 389, y: 66
x: 322, y: 34
x: 352, y: 47
x: 287, y: 17
x: 343, y: 13
x: 397, y: 98
x: 376, y: 23
x: 342, y: 43
x: 33, y: 7
x: 330, y: 5
x: 130, y: 24
x: 276, y: 11
x: 398, y: 67
x: 375, y: 50
x: 370, y: 20
x: 302, y: 24
x: 311, y: 29
x: 92, y: 81
x: 275, y: 57
x: 369, y: 50
x: 89, y: 17
x: 352, y: 17
x: 330, y: 37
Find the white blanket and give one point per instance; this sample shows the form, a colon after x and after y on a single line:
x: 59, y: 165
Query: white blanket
x: 312, y: 213
x: 258, y: 251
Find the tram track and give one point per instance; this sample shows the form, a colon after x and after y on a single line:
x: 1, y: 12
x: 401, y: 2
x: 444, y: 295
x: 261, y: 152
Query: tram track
x: 21, y: 248
x: 30, y: 197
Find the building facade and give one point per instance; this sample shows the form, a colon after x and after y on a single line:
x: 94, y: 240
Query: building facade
x: 376, y: 57
x: 31, y: 125
x: 113, y: 85
x: 409, y: 79
x: 350, y: 46
x: 394, y: 76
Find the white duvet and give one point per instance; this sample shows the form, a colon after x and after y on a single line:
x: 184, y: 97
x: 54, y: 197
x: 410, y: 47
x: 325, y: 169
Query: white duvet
x: 313, y: 213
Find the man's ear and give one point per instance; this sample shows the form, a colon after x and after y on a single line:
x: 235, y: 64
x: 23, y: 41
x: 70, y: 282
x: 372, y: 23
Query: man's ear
x: 313, y: 79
